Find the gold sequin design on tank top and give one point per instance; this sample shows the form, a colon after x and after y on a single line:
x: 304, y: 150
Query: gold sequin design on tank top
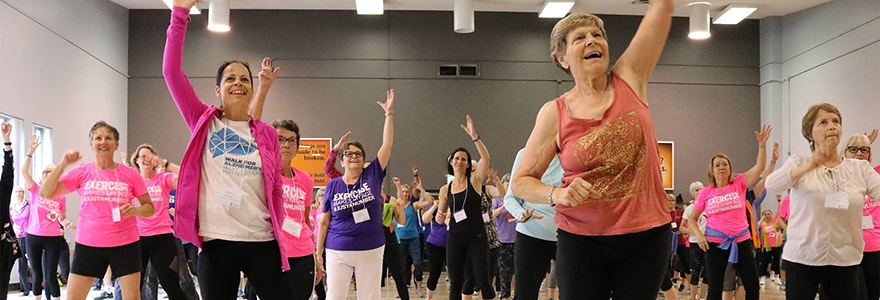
x: 613, y: 156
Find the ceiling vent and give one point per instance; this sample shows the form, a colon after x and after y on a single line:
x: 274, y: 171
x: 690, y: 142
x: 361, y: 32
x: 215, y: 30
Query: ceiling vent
x: 469, y: 70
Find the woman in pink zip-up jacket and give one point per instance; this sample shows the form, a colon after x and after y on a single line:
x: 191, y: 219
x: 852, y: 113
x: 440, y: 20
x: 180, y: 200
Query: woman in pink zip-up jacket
x: 229, y: 196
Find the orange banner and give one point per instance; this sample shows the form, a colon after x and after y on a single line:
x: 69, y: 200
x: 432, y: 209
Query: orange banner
x: 310, y: 158
x: 667, y: 155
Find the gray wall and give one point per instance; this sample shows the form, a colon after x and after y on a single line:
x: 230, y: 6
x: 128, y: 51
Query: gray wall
x: 336, y: 65
x: 64, y: 70
x: 828, y: 53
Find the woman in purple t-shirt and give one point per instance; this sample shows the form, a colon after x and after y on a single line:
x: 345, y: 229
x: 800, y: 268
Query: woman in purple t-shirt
x: 350, y: 226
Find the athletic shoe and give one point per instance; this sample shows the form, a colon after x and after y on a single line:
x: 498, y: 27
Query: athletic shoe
x: 104, y: 295
x: 421, y: 293
x: 24, y: 294
x: 763, y: 279
x: 782, y: 286
x: 681, y: 288
x: 543, y: 287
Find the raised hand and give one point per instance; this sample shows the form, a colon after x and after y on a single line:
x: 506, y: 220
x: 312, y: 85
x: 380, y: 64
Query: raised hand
x: 7, y: 129
x: 35, y: 143
x: 470, y: 128
x: 124, y: 157
x: 71, y: 156
x: 417, y: 183
x: 492, y: 176
x: 342, y: 141
x: 185, y: 3
x: 151, y: 161
x: 528, y: 214
x: 415, y: 170
x: 873, y: 136
x: 775, y: 151
x: 764, y: 135
x: 267, y: 74
x: 396, y: 182
x: 388, y: 106
x: 576, y: 193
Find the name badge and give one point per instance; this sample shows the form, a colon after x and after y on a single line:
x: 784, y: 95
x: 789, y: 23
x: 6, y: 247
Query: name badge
x: 361, y: 216
x: 674, y: 226
x: 486, y: 218
x: 117, y: 215
x: 292, y: 227
x: 460, y: 216
x: 867, y: 222
x: 838, y: 200
x: 229, y: 196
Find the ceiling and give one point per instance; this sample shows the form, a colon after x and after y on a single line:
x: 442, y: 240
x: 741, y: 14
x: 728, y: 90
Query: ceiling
x: 766, y: 8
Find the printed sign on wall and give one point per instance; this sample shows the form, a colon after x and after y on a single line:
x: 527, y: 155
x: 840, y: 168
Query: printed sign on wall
x: 667, y: 155
x: 310, y: 158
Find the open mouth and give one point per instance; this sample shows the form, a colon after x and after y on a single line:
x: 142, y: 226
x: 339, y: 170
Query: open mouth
x: 592, y: 55
x: 242, y: 93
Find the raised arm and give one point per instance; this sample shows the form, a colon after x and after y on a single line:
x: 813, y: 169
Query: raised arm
x: 267, y: 77
x: 191, y: 108
x: 759, y: 188
x: 638, y: 61
x: 752, y: 175
x: 425, y: 198
x: 330, y: 164
x: 442, y: 205
x: 536, y: 157
x: 25, y: 169
x: 416, y: 192
x: 483, y: 164
x: 497, y: 191
x: 52, y: 188
x: 429, y: 214
x: 8, y: 174
x: 388, y: 131
x: 153, y: 161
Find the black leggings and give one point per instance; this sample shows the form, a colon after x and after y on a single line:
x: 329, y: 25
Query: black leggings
x: 221, y: 263
x: 837, y: 282
x: 460, y: 251
x: 870, y: 270
x: 24, y: 275
x: 698, y: 260
x: 770, y: 258
x: 469, y: 287
x: 436, y: 257
x: 64, y: 260
x: 7, y: 259
x: 505, y: 268
x: 192, y: 257
x: 716, y: 265
x: 628, y: 266
x: 302, y: 276
x: 531, y: 261
x: 684, y: 259
x: 394, y: 261
x: 161, y: 251
x: 50, y: 247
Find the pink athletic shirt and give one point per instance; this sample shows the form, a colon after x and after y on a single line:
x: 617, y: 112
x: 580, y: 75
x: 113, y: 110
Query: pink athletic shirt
x: 159, y: 187
x: 725, y: 209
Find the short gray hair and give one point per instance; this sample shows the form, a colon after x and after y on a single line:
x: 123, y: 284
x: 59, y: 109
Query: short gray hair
x: 694, y: 186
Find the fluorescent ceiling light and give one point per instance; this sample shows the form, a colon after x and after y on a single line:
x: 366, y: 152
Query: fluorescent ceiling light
x: 735, y: 13
x: 370, y: 7
x: 555, y: 9
x: 194, y: 11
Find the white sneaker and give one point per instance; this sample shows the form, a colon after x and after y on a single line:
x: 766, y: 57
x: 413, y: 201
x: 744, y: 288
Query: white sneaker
x: 763, y: 279
x: 543, y: 287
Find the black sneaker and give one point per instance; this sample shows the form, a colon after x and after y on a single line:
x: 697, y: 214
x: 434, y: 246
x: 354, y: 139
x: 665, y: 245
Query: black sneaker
x: 104, y: 295
x: 24, y: 294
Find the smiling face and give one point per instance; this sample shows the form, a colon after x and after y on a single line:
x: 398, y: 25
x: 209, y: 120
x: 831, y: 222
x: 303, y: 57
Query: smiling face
x: 858, y: 149
x: 460, y: 162
x: 142, y: 155
x: 353, y: 158
x: 768, y: 216
x: 586, y: 53
x: 104, y: 143
x: 236, y: 87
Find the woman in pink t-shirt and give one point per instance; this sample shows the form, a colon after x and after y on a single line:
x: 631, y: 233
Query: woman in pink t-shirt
x: 45, y: 237
x: 727, y: 238
x: 299, y: 238
x: 107, y: 233
x: 158, y: 246
x: 611, y: 210
x: 858, y: 146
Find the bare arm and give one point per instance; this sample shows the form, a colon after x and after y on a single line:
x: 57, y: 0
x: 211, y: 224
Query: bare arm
x: 267, y: 77
x: 388, y: 131
x: 759, y: 188
x: 442, y: 205
x: 25, y: 169
x: 752, y: 175
x: 323, y: 226
x: 51, y: 187
x: 701, y: 239
x: 429, y: 214
x: 683, y: 227
x: 483, y: 164
x: 399, y: 210
x: 638, y: 61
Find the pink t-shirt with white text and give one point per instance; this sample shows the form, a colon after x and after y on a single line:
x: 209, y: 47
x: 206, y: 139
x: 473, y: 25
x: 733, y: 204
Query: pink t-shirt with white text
x: 872, y: 235
x: 102, y: 191
x: 784, y: 208
x: 297, y: 195
x: 45, y: 215
x: 725, y: 209
x: 159, y: 187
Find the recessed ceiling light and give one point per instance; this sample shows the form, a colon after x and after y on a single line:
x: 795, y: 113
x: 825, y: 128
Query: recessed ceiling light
x: 555, y: 8
x: 735, y: 13
x: 370, y: 7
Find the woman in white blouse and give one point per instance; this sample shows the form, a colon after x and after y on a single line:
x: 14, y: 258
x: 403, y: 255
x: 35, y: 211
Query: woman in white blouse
x: 827, y: 195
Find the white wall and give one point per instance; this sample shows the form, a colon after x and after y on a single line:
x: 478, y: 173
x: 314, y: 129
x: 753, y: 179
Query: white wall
x: 828, y: 53
x: 65, y: 66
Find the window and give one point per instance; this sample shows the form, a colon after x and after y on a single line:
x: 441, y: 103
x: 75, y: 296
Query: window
x: 43, y: 153
x: 15, y: 137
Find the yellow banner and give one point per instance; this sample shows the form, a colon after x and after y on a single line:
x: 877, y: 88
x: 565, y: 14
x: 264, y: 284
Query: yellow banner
x: 666, y: 164
x: 310, y: 158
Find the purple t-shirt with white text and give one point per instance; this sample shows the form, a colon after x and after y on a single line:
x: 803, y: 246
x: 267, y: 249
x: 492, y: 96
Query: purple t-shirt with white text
x: 342, y: 200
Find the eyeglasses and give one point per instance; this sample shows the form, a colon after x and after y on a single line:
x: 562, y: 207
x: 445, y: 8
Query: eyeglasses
x: 282, y: 140
x: 353, y: 154
x: 856, y: 150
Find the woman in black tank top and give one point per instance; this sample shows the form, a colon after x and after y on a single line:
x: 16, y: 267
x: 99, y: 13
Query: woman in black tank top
x: 466, y: 239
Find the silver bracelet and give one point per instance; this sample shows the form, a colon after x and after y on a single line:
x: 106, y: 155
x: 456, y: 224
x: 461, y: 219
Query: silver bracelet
x: 550, y: 196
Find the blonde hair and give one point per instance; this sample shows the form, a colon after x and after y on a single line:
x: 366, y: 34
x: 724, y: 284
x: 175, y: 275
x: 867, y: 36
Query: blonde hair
x: 712, y: 166
x: 137, y: 154
x: 563, y: 27
x: 671, y: 197
x: 810, y: 119
x: 852, y: 140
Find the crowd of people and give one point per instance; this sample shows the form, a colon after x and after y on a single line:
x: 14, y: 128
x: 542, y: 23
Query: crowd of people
x: 583, y: 212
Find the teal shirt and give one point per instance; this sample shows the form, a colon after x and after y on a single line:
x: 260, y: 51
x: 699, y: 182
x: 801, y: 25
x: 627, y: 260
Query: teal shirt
x: 545, y: 228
